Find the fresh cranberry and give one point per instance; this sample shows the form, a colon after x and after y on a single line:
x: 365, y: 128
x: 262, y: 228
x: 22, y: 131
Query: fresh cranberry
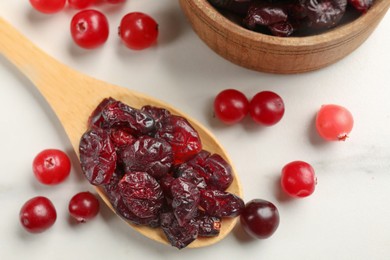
x: 334, y: 122
x: 48, y: 6
x: 231, y: 106
x: 51, y: 166
x: 138, y: 30
x: 266, y: 108
x: 37, y: 214
x: 83, y: 206
x: 298, y: 179
x: 89, y: 29
x: 260, y: 218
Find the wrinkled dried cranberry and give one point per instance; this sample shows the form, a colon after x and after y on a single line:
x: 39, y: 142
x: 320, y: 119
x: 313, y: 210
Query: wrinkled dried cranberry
x: 208, y: 226
x: 263, y: 13
x: 119, y: 115
x: 188, y: 172
x: 96, y: 119
x: 142, y: 194
x: 157, y: 113
x: 97, y: 156
x: 185, y: 200
x: 220, y: 170
x: 361, y: 5
x: 282, y: 29
x: 183, y: 138
x: 121, y: 138
x: 221, y: 203
x: 166, y: 183
x: 324, y: 14
x: 148, y: 154
x: 116, y: 200
x: 178, y: 236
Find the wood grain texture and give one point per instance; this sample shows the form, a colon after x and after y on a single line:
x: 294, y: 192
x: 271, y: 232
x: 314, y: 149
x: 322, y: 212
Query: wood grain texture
x: 280, y: 55
x: 73, y: 96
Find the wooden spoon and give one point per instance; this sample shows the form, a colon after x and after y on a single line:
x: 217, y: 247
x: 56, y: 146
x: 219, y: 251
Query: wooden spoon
x: 73, y: 96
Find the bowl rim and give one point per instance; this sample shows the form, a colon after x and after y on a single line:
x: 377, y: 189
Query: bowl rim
x: 225, y: 27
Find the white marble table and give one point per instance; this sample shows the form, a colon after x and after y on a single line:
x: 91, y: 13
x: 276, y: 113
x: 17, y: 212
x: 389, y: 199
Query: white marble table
x: 348, y: 216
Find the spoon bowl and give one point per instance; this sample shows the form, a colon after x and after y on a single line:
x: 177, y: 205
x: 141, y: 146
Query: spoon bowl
x: 73, y: 96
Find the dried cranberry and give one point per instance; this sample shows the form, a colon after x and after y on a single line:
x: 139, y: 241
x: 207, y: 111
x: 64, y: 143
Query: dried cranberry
x: 264, y: 14
x: 166, y: 183
x: 142, y: 194
x: 119, y: 115
x: 96, y: 119
x: 185, y: 200
x: 116, y: 200
x: 183, y: 138
x: 236, y: 6
x: 97, y: 156
x: 220, y: 170
x: 148, y: 154
x: 282, y: 29
x: 121, y: 138
x: 188, y: 172
x: 221, y: 203
x: 178, y: 236
x: 209, y: 226
x: 325, y: 13
x: 157, y: 113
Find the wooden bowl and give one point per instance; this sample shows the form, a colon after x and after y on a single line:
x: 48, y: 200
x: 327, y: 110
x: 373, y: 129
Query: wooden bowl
x: 272, y: 54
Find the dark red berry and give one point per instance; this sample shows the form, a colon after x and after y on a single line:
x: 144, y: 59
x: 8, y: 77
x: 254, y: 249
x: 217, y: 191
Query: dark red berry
x: 148, y: 154
x: 260, y: 218
x: 183, y: 138
x: 83, y: 206
x: 266, y: 108
x: 178, y: 236
x: 325, y: 13
x: 361, y: 5
x: 185, y: 200
x: 37, y: 214
x: 264, y: 14
x: 97, y: 156
x: 208, y: 226
x: 220, y: 203
x: 142, y: 194
x: 231, y: 106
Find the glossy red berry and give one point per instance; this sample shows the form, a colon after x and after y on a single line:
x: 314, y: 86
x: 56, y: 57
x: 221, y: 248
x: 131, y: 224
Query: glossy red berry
x: 37, y: 214
x: 89, y: 29
x: 116, y: 1
x: 83, y: 206
x: 260, y: 218
x: 138, y: 30
x: 48, y: 6
x: 334, y: 122
x: 266, y: 108
x: 298, y: 179
x: 231, y: 106
x: 51, y: 166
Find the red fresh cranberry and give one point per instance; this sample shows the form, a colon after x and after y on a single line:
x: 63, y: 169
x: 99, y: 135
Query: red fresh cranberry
x: 51, y: 166
x: 37, y: 214
x: 83, y: 206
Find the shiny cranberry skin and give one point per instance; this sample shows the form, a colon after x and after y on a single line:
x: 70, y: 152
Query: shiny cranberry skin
x: 298, y: 179
x: 48, y: 6
x: 89, y: 29
x: 51, y: 166
x: 138, y: 30
x: 266, y: 108
x: 260, y: 218
x: 83, y: 206
x: 231, y: 106
x: 37, y: 214
x: 334, y: 122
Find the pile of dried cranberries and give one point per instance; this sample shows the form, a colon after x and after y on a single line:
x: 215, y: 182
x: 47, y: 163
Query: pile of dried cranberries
x: 153, y: 168
x: 291, y: 17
